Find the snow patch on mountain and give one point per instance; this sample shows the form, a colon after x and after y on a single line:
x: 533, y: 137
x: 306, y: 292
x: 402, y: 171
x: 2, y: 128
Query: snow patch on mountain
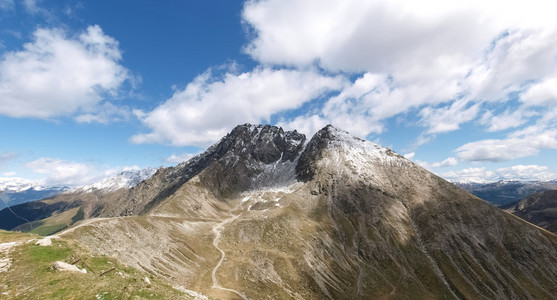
x: 124, y: 179
x: 359, y: 155
x: 15, y: 190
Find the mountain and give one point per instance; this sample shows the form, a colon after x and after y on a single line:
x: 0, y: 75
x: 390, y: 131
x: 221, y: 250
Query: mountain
x: 125, y: 179
x: 248, y: 158
x: 81, y: 200
x: 14, y: 184
x: 265, y: 213
x: 15, y: 191
x: 502, y: 193
x: 539, y: 209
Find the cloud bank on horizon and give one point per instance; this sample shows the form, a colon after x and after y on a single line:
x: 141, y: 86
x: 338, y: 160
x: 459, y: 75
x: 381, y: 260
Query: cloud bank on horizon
x: 361, y: 65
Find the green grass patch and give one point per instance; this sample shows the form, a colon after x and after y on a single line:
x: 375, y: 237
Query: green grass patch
x: 31, y: 275
x: 48, y: 230
x: 40, y: 254
x: 29, y: 227
x: 80, y: 215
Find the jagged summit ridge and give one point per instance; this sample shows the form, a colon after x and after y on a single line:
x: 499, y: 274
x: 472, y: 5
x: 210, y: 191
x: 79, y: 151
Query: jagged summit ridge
x: 264, y: 143
x: 250, y: 157
x: 254, y: 157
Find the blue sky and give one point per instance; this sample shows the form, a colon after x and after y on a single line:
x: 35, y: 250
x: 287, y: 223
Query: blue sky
x: 88, y: 88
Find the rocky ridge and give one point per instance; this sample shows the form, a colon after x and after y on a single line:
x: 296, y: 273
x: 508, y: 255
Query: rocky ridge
x: 248, y: 157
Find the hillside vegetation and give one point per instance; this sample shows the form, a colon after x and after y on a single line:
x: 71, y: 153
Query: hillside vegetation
x: 30, y: 274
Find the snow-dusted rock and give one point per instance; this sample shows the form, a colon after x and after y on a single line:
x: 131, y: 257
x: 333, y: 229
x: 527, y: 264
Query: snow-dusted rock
x: 124, y: 179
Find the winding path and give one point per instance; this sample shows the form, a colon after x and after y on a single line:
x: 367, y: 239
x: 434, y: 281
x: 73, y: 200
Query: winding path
x: 217, y: 230
x: 83, y: 223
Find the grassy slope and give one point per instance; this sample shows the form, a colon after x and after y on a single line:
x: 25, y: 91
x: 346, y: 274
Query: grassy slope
x: 50, y: 225
x: 31, y: 275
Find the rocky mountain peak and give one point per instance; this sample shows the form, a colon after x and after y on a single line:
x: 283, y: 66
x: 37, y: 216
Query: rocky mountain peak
x: 249, y: 157
x: 262, y: 143
x: 253, y: 157
x: 357, y: 150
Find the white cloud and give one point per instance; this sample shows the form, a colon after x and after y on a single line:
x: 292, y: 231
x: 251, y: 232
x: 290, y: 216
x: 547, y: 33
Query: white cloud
x: 445, y: 119
x: 104, y: 173
x: 505, y: 120
x: 362, y: 107
x: 526, y: 172
x: 516, y: 58
x: 451, y: 161
x: 178, y: 158
x: 209, y: 107
x: 410, y: 155
x: 445, y: 58
x: 470, y: 175
x: 496, y: 150
x: 57, y: 75
x: 305, y: 124
x: 63, y: 172
x: 541, y: 93
x: 362, y: 35
x: 69, y: 173
x: 524, y: 143
x: 517, y: 172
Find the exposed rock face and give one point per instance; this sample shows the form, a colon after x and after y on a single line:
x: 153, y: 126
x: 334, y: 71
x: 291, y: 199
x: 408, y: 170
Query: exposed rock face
x: 254, y: 157
x: 539, y: 209
x: 263, y: 215
x: 248, y: 157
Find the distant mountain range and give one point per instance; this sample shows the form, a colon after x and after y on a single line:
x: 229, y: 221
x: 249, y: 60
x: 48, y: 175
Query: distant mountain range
x: 124, y: 179
x: 31, y: 214
x: 268, y: 214
x: 502, y: 193
x: 14, y: 191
